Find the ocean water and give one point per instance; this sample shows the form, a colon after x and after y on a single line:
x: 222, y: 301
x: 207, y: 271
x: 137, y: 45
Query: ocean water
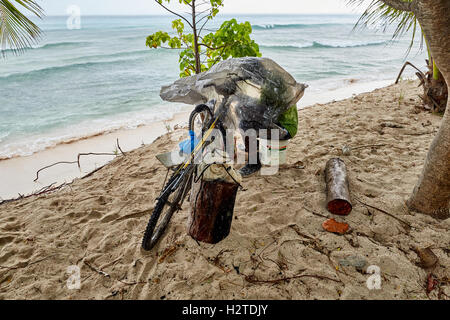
x: 102, y: 77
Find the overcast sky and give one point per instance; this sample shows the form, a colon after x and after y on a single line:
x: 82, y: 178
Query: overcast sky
x: 148, y: 7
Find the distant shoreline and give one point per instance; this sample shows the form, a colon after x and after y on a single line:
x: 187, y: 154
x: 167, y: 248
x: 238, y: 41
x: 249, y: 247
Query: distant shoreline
x: 220, y: 14
x: 71, y: 134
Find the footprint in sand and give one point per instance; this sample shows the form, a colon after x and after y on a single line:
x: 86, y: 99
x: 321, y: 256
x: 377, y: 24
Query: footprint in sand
x: 258, y: 197
x: 59, y: 204
x: 13, y: 226
x: 110, y: 217
x: 26, y: 253
x: 5, y: 240
x: 7, y: 255
x: 86, y: 215
x: 103, y: 200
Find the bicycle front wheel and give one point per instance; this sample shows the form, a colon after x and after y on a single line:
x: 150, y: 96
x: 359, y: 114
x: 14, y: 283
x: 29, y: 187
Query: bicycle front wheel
x: 165, y: 207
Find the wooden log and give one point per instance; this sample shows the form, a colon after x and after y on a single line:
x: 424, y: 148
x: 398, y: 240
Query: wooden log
x: 212, y: 206
x: 338, y: 195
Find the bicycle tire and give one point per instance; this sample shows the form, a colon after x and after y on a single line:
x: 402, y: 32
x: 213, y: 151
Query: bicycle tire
x: 202, y: 108
x: 153, y: 232
x: 198, y: 109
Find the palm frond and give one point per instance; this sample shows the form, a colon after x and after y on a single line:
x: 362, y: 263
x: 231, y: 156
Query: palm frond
x: 17, y: 31
x: 379, y: 15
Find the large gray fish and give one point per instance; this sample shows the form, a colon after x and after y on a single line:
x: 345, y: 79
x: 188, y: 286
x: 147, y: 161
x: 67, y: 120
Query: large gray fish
x: 258, y: 91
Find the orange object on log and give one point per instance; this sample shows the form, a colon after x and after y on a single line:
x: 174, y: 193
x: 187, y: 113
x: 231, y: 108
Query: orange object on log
x: 338, y: 195
x: 333, y: 226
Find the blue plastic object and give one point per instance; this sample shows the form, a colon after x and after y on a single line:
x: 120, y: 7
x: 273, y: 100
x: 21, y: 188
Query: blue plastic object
x: 189, y: 145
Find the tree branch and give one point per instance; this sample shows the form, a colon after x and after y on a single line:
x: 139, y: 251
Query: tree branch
x: 199, y: 13
x: 168, y: 48
x: 188, y: 3
x: 400, y: 5
x: 204, y: 24
x: 211, y: 48
x: 172, y: 12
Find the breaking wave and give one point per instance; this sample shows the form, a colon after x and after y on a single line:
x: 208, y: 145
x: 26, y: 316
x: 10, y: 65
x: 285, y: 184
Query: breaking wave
x: 295, y: 26
x: 316, y: 44
x: 53, y: 45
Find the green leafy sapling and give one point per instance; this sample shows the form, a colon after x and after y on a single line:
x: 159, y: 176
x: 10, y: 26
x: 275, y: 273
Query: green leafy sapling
x: 200, y: 52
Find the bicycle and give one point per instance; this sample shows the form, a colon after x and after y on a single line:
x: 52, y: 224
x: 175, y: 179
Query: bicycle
x: 175, y: 191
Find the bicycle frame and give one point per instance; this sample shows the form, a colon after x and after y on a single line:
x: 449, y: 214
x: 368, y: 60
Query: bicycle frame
x: 182, y: 169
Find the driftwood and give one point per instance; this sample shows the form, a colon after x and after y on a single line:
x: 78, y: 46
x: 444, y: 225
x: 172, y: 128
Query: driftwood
x: 338, y: 195
x: 212, y: 206
x: 45, y: 190
x: 78, y: 160
x: 51, y: 188
x: 72, y: 162
x: 255, y: 280
x: 385, y: 212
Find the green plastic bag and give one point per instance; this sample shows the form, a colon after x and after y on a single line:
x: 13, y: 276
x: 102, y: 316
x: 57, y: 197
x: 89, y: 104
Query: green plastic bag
x: 289, y: 120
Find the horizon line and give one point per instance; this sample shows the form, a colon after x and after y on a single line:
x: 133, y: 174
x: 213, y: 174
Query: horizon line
x: 169, y: 15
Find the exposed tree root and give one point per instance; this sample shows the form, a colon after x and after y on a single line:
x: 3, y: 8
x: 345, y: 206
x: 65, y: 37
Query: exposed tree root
x: 435, y: 90
x: 253, y: 279
x: 385, y: 212
x: 44, y: 190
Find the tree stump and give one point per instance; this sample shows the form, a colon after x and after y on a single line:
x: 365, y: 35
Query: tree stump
x: 338, y: 195
x: 212, y: 206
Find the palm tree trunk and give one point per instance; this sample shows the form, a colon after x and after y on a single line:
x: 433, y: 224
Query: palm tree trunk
x: 435, y: 94
x: 436, y: 71
x: 432, y: 193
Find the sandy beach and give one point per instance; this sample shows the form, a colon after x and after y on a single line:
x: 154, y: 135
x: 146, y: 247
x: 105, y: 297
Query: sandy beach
x: 277, y: 248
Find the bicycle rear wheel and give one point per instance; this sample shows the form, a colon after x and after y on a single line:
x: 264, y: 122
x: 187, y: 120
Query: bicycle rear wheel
x: 166, y: 206
x: 201, y: 120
